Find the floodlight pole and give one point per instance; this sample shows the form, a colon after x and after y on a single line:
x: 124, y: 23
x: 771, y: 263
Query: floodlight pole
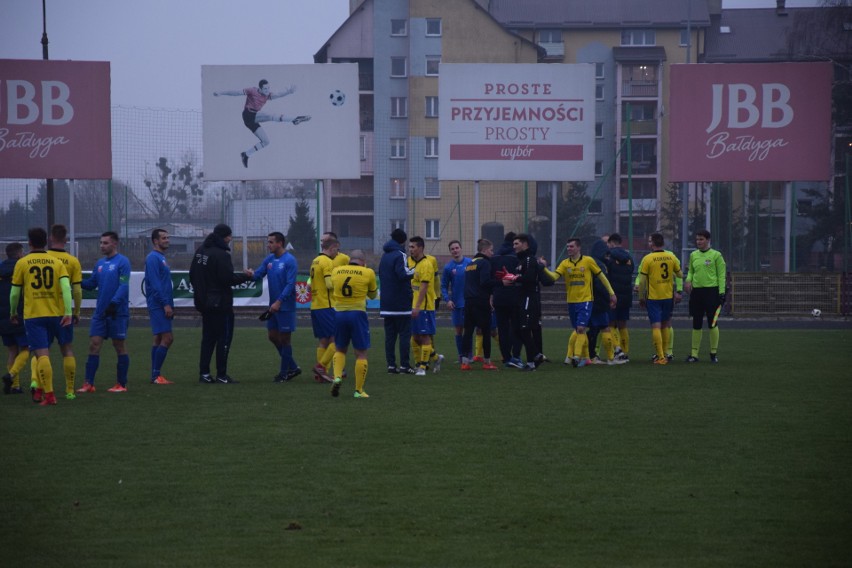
x: 51, y: 213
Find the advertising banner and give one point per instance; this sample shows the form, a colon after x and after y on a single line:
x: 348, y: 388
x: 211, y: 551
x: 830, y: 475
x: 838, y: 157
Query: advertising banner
x: 517, y: 122
x: 266, y: 122
x: 55, y: 119
x: 750, y: 122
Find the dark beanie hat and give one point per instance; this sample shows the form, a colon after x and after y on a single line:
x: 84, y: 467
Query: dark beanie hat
x: 222, y: 230
x: 399, y: 235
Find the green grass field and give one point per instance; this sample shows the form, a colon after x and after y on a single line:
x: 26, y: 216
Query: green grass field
x: 745, y: 463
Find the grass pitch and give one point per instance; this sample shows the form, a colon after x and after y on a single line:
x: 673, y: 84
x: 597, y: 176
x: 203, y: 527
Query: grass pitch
x: 745, y: 463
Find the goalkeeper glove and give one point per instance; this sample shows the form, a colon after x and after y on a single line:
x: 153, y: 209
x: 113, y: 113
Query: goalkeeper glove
x: 721, y: 299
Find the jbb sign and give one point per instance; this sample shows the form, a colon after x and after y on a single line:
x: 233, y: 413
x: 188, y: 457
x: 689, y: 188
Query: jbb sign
x: 750, y: 122
x: 55, y: 119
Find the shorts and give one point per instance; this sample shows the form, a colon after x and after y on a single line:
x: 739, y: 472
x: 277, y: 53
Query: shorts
x: 580, y: 313
x: 703, y: 302
x: 159, y: 322
x: 65, y: 335
x: 323, y: 322
x: 352, y: 326
x: 19, y: 339
x: 109, y: 328
x: 659, y: 310
x: 458, y: 316
x: 282, y: 322
x: 620, y: 314
x: 41, y: 331
x: 250, y: 119
x: 424, y: 323
x: 599, y: 319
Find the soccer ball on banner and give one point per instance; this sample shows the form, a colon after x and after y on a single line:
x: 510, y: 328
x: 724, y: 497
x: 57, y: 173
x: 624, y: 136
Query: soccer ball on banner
x: 816, y: 312
x: 337, y: 97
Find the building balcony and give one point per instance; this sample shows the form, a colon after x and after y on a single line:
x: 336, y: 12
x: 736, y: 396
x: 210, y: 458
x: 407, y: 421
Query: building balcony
x: 639, y: 89
x: 640, y: 167
x: 639, y: 204
x: 640, y: 128
x: 358, y: 204
x: 554, y: 50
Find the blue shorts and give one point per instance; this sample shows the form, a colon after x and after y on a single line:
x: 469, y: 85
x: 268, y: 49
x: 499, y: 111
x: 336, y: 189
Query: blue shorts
x: 458, y: 316
x: 659, y: 310
x: 352, y: 326
x: 159, y: 322
x: 599, y: 319
x: 322, y: 321
x: 620, y: 314
x: 283, y: 322
x: 65, y: 335
x: 109, y: 328
x: 41, y: 331
x: 580, y: 313
x: 19, y: 339
x: 424, y: 323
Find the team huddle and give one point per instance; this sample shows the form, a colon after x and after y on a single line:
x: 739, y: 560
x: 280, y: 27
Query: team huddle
x: 494, y: 294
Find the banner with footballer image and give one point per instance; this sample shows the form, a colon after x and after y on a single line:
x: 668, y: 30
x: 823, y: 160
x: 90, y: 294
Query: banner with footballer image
x: 280, y: 122
x: 750, y: 122
x: 55, y: 119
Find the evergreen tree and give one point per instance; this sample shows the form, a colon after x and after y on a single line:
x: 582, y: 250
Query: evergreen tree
x: 303, y: 230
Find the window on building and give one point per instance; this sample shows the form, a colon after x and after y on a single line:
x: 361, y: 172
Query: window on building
x: 399, y: 107
x: 550, y: 36
x: 363, y: 148
x: 599, y: 92
x: 643, y: 154
x: 684, y: 38
x: 599, y: 70
x: 431, y: 147
x: 431, y: 188
x: 399, y: 67
x: 599, y: 130
x: 595, y: 207
x: 433, y: 26
x: 432, y: 107
x: 433, y: 229
x: 399, y: 27
x: 638, y: 37
x: 398, y: 188
x: 598, y: 167
x: 643, y: 188
x: 397, y: 148
x: 397, y: 224
x: 433, y: 64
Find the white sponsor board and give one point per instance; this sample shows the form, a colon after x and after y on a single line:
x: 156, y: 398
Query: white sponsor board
x: 280, y: 122
x: 517, y: 122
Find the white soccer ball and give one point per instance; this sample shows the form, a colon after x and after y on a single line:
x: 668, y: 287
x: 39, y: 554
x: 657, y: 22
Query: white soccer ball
x: 337, y: 97
x: 816, y: 312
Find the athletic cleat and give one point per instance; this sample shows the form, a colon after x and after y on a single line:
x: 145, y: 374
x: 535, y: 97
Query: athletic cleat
x: 575, y: 362
x: 669, y: 357
x: 38, y: 395
x: 335, y: 388
x: 293, y: 373
x: 544, y: 358
x: 538, y: 360
x: 569, y: 361
x: 7, y: 383
x: 623, y: 356
x: 392, y: 370
x: 407, y: 371
x: 596, y: 361
x: 301, y: 119
x: 87, y: 387
x: 16, y: 390
x: 226, y: 380
x: 118, y: 388
x: 528, y: 369
x: 714, y: 358
x: 49, y: 399
x: 244, y: 158
x: 661, y: 361
x: 514, y: 362
x: 438, y: 360
x: 203, y: 378
x: 489, y: 367
x: 421, y: 372
x: 478, y: 359
x: 319, y: 371
x: 583, y: 362
x: 361, y: 394
x: 161, y: 380
x: 692, y: 359
x: 465, y: 367
x: 615, y: 361
x: 70, y: 396
x: 279, y: 378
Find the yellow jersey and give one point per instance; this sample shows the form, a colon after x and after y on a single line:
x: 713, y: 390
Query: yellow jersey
x: 660, y: 268
x: 341, y: 259
x: 578, y: 278
x: 424, y: 275
x: 38, y: 275
x: 353, y: 284
x: 321, y: 296
x: 75, y: 275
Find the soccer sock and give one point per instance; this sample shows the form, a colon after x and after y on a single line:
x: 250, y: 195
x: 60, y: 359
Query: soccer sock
x: 668, y: 339
x: 122, y: 367
x: 608, y: 347
x: 69, y: 369
x: 360, y: 374
x: 320, y: 354
x: 45, y: 373
x: 581, y: 345
x: 339, y: 361
x: 416, y: 349
x: 625, y: 339
x: 18, y: 366
x: 657, y: 337
x: 286, y: 353
x: 697, y: 334
x: 572, y: 344
x: 616, y: 336
x: 714, y: 339
x: 425, y: 354
x: 92, y: 363
x: 459, y: 346
x: 477, y: 350
x: 328, y: 355
x: 153, y: 361
x: 159, y: 358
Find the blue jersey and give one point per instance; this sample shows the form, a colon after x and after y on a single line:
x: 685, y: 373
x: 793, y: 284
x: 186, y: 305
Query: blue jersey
x: 452, y: 281
x: 280, y: 275
x: 111, y: 278
x: 158, y: 281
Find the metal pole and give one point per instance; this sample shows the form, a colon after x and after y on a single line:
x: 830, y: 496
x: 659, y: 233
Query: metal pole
x: 475, y: 212
x: 320, y: 186
x: 629, y: 182
x: 788, y: 223
x: 553, y: 219
x: 526, y: 206
x: 51, y: 211
x: 245, y: 224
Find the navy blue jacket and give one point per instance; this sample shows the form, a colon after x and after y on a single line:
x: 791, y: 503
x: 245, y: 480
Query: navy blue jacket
x: 504, y: 260
x: 395, y: 280
x: 600, y: 302
x: 620, y: 269
x: 7, y: 268
x: 478, y: 279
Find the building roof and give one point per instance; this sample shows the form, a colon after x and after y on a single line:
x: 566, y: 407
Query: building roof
x: 756, y: 35
x: 637, y: 54
x: 600, y: 13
